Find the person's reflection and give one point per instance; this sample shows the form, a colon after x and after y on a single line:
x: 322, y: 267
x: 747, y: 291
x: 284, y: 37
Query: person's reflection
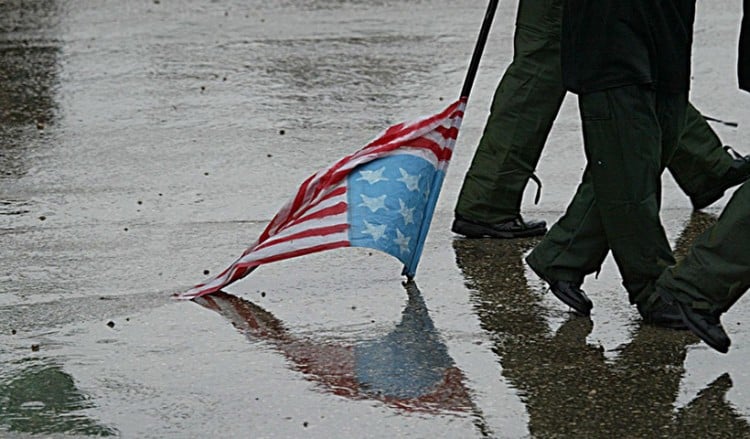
x: 569, y: 387
x: 697, y: 418
x: 38, y: 397
x: 408, y: 368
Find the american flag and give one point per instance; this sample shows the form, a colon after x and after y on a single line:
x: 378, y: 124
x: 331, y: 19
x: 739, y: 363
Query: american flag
x: 381, y: 197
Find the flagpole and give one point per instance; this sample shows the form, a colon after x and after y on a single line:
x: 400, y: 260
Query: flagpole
x: 410, y: 267
x: 479, y: 49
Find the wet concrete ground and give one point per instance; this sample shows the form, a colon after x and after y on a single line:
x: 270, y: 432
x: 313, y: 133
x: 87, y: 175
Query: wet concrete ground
x: 143, y: 143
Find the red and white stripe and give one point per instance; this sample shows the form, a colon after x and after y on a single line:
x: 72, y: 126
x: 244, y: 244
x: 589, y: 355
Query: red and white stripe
x: 316, y: 218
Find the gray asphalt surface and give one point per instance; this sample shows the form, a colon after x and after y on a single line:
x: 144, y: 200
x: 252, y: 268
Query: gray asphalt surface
x: 143, y: 144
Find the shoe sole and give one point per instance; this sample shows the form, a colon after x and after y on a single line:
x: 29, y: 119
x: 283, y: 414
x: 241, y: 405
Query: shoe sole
x: 475, y: 231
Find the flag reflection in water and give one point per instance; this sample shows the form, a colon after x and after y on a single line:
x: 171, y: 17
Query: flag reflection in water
x: 407, y: 368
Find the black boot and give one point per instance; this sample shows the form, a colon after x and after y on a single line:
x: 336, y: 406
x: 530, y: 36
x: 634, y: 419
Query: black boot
x: 662, y: 314
x: 704, y: 324
x: 569, y: 292
x: 572, y: 295
x: 515, y: 228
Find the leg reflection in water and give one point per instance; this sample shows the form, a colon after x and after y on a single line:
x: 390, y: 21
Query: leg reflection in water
x: 570, y: 388
x: 409, y: 367
x: 39, y: 398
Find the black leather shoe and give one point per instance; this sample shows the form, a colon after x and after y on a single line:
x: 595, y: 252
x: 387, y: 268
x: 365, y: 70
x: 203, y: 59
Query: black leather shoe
x: 664, y: 315
x: 703, y: 324
x: 737, y: 173
x: 515, y: 228
x: 572, y: 295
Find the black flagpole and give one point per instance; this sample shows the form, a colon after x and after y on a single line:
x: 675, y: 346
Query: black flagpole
x: 438, y: 179
x: 478, y: 49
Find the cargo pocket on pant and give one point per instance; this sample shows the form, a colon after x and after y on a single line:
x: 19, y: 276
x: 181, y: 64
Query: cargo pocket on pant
x: 595, y: 106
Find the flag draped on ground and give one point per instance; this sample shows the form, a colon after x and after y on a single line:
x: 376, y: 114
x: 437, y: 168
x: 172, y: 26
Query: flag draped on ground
x: 381, y: 197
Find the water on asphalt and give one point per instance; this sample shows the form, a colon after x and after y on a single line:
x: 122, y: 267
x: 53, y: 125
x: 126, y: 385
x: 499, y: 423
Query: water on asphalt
x: 145, y: 144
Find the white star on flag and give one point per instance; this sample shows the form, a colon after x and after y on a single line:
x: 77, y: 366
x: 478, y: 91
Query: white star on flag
x: 411, y: 181
x: 373, y: 230
x: 402, y: 241
x: 406, y: 213
x: 372, y: 177
x: 373, y: 203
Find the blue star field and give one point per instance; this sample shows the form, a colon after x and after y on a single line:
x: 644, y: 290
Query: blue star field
x: 387, y: 199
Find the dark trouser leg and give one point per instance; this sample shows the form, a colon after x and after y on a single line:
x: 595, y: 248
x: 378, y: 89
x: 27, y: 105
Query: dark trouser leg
x: 526, y: 102
x: 576, y: 245
x: 716, y: 271
x: 627, y: 177
x: 700, y: 160
x: 630, y: 133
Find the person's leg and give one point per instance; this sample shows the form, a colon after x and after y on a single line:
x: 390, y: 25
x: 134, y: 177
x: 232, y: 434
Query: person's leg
x: 701, y: 166
x: 700, y: 155
x: 617, y: 205
x: 526, y: 103
x: 714, y: 274
x: 630, y: 134
x: 575, y: 245
x: 716, y: 271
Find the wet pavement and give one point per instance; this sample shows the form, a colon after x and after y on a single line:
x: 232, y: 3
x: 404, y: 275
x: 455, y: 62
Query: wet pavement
x: 146, y: 144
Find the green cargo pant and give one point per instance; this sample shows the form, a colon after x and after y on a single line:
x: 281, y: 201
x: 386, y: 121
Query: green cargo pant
x: 716, y: 271
x: 525, y: 105
x: 630, y: 133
